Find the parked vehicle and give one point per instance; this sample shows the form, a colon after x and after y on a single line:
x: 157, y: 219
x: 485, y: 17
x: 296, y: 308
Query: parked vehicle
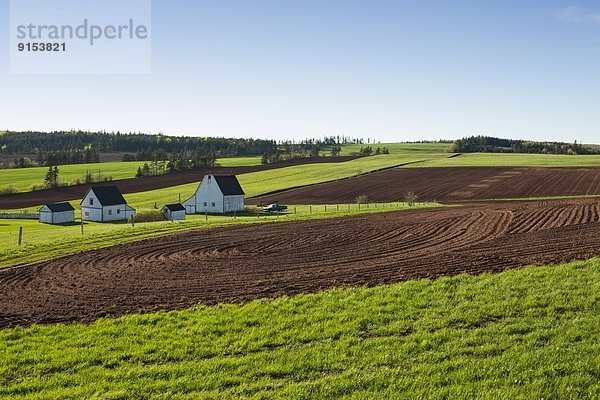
x: 274, y: 208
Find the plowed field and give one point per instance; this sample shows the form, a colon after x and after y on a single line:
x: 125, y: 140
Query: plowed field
x: 448, y: 184
x: 253, y: 261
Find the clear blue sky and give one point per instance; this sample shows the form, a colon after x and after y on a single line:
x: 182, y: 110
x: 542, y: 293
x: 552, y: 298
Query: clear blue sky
x: 389, y: 70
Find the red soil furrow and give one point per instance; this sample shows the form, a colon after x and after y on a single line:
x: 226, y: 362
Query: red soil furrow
x: 252, y: 261
x: 457, y: 184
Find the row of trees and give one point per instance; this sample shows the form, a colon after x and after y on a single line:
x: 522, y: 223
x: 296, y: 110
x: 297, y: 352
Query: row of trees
x: 66, y: 156
x: 487, y: 144
x: 368, y: 151
x: 31, y: 142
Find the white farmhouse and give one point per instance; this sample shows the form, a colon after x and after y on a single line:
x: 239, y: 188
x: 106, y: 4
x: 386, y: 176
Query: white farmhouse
x: 216, y: 194
x: 105, y: 204
x: 59, y: 213
x: 174, y: 212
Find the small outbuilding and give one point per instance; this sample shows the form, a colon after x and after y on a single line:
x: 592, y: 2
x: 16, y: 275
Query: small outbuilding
x: 174, y: 212
x: 216, y: 194
x: 58, y: 213
x: 105, y: 204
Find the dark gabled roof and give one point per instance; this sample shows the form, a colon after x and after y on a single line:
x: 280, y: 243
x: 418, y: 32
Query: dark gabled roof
x: 174, y: 207
x: 108, y: 195
x: 60, y: 207
x: 229, y: 185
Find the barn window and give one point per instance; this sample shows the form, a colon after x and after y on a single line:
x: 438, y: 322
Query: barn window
x: 205, y: 204
x: 109, y: 212
x: 87, y: 214
x: 213, y: 204
x: 91, y: 201
x: 118, y: 211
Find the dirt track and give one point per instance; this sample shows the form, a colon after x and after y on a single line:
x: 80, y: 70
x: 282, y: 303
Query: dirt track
x: 134, y: 185
x: 448, y: 184
x: 253, y: 261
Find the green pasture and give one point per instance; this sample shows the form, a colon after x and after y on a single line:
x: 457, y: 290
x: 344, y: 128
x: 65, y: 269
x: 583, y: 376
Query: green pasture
x: 399, y: 148
x: 512, y: 160
x: 521, y: 334
x: 43, y: 241
x: 239, y: 161
x: 24, y: 178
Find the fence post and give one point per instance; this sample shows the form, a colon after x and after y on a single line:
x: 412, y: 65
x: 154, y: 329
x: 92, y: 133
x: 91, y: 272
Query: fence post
x: 294, y: 210
x: 338, y: 207
x: 132, y: 221
x: 82, y: 226
x: 359, y: 206
x: 325, y: 207
x: 310, y: 209
x: 206, y: 214
x: 20, y: 235
x: 234, y: 214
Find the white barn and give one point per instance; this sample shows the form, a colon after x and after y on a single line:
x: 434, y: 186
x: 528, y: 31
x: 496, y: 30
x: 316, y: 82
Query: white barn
x: 174, y: 212
x: 105, y: 204
x: 59, y: 213
x: 216, y: 194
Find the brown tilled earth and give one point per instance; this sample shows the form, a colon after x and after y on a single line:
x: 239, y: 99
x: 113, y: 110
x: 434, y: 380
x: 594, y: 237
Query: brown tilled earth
x: 448, y: 184
x: 135, y: 185
x: 247, y: 262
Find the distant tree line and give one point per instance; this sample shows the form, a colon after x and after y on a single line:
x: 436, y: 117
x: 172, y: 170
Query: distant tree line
x: 487, y: 144
x: 32, y: 142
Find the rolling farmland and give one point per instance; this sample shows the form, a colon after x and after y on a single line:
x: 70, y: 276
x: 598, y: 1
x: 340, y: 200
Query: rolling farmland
x: 254, y: 261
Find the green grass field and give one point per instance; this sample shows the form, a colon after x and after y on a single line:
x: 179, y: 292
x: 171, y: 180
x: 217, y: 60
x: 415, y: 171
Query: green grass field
x: 520, y: 334
x: 239, y: 161
x: 512, y: 160
x: 399, y: 148
x: 23, y: 178
x: 43, y: 241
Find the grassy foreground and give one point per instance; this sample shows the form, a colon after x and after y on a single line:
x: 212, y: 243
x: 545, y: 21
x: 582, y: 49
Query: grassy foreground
x: 528, y: 333
x: 42, y: 241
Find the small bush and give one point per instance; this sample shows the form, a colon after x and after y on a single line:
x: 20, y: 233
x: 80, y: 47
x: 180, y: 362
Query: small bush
x: 149, y: 216
x: 362, y: 199
x: 410, y: 198
x: 10, y: 189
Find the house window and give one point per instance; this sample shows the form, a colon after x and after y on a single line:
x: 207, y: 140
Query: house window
x: 205, y: 204
x: 91, y: 201
x: 119, y: 211
x: 109, y: 212
x: 87, y: 214
x: 213, y: 204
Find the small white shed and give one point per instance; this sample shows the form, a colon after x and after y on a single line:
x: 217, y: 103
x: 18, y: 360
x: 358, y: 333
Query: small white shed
x: 58, y: 213
x: 216, y: 194
x: 174, y: 212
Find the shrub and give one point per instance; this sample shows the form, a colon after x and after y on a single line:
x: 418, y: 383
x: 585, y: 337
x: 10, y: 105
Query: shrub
x: 149, y: 216
x: 10, y: 189
x: 362, y: 199
x: 410, y: 198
